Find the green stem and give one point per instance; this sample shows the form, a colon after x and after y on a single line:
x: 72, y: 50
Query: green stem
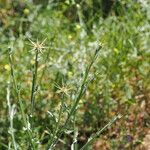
x: 58, y: 123
x: 34, y: 80
x: 17, y: 91
x: 11, y: 115
x: 97, y: 134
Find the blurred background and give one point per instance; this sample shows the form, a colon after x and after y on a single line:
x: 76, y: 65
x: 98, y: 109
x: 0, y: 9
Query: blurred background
x: 73, y: 28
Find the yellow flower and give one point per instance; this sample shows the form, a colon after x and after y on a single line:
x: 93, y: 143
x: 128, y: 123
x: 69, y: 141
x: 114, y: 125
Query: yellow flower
x: 26, y: 11
x: 78, y: 6
x: 78, y: 27
x: 70, y: 74
x: 116, y: 50
x: 7, y: 67
x: 69, y: 37
x: 113, y: 85
x: 32, y: 62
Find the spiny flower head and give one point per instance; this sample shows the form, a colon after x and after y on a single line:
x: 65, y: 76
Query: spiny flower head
x: 39, y: 46
x: 63, y: 89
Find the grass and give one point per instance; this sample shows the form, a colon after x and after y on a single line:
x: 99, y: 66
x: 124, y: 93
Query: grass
x: 67, y: 91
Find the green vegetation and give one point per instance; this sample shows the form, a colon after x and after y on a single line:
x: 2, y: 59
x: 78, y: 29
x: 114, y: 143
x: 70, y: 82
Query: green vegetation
x: 74, y: 74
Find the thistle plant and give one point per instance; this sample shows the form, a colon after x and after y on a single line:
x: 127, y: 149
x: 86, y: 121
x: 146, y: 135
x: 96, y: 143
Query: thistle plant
x: 80, y: 93
x: 59, y: 129
x: 38, y: 48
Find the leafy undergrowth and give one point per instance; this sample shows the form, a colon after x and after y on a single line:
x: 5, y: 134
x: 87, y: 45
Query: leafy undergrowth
x: 36, y: 105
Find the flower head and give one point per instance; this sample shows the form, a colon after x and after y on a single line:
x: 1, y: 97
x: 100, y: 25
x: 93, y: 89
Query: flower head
x: 37, y: 45
x: 63, y: 89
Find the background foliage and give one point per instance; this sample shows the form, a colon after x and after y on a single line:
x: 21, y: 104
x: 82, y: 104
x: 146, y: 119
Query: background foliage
x: 73, y: 29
